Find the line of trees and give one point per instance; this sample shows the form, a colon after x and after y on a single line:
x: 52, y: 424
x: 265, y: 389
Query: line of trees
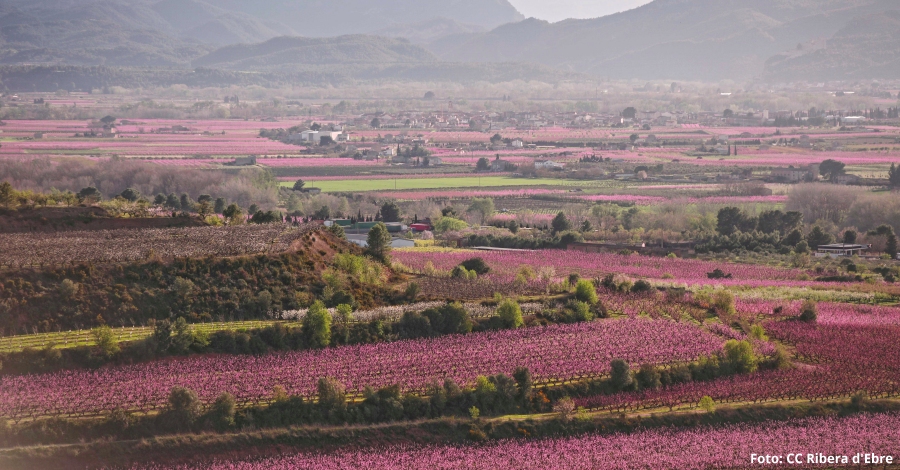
x: 489, y: 396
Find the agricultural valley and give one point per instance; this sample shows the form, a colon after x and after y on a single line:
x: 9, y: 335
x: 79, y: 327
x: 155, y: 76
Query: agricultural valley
x: 443, y: 235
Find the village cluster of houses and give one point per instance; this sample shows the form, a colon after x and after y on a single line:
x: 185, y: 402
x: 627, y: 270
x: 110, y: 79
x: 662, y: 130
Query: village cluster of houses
x: 451, y: 119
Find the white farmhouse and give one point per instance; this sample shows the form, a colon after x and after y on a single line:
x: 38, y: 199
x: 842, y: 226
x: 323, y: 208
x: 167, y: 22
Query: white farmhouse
x: 547, y: 165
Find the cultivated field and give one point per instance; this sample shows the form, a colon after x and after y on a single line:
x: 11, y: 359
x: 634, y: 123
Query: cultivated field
x: 119, y: 246
x: 701, y: 323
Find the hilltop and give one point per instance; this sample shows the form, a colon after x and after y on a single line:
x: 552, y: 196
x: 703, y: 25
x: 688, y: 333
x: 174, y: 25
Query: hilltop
x: 292, y: 51
x: 868, y: 47
x: 679, y: 39
x: 705, y: 40
x: 57, y: 219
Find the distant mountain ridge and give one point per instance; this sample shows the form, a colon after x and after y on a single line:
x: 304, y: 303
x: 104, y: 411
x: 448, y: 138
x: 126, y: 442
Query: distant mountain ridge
x: 223, y: 22
x: 176, y: 32
x: 287, y: 52
x: 680, y: 39
x: 709, y: 40
x: 867, y: 47
x: 428, y: 31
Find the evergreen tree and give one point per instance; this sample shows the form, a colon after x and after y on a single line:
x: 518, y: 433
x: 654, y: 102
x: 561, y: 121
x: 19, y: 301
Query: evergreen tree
x: 894, y: 176
x: 390, y: 212
x: 891, y: 247
x: 379, y: 242
x: 831, y: 168
x: 131, y: 194
x: 621, y: 377
x: 560, y: 223
x: 818, y: 237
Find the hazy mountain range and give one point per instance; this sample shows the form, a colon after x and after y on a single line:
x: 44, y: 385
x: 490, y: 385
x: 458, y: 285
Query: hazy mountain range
x: 687, y: 39
x: 665, y: 39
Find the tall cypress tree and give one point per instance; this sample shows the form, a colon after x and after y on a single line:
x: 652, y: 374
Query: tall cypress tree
x: 894, y: 176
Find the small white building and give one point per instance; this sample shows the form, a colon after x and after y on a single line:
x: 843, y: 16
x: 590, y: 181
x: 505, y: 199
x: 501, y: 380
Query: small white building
x: 792, y: 175
x: 517, y: 143
x: 840, y: 250
x: 547, y: 165
x: 333, y: 135
x: 316, y: 137
x: 309, y: 136
x: 431, y: 161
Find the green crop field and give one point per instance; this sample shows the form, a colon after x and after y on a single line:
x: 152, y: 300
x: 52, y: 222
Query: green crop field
x: 72, y: 339
x: 353, y: 185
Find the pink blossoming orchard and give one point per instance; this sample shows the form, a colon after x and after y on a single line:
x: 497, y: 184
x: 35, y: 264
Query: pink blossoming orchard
x: 298, y: 280
x: 726, y: 447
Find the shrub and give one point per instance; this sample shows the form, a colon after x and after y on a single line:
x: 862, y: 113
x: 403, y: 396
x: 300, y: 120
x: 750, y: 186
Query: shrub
x: 620, y: 376
x: 859, y: 399
x: 599, y: 310
x: 412, y: 291
x: 707, y: 404
x: 414, y: 325
x: 718, y: 274
x: 184, y: 407
x: 184, y: 338
x: 586, y: 292
x: 569, y: 237
x: 580, y: 311
x: 524, y: 382
x: 461, y: 272
x: 68, y: 289
x: 781, y: 360
x: 641, y: 287
x: 105, y: 340
x: 564, y: 408
x: 317, y: 326
x: 476, y: 264
x: 510, y: 314
x: 449, y: 224
x: 723, y: 301
x: 222, y: 412
x: 739, y: 356
x: 332, y: 397
x: 449, y: 319
x: 758, y: 332
x: 648, y: 378
x: 268, y: 217
x: 338, y: 231
x: 526, y: 272
x: 809, y: 312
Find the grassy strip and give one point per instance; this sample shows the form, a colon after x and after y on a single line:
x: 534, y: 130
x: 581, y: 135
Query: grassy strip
x: 356, y: 185
x: 77, y: 338
x: 199, y: 447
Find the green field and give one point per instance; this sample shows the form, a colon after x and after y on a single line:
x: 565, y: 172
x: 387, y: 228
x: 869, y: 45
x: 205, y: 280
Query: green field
x: 354, y: 185
x: 72, y: 339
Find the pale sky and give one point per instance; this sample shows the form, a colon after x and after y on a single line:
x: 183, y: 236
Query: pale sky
x: 557, y: 10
